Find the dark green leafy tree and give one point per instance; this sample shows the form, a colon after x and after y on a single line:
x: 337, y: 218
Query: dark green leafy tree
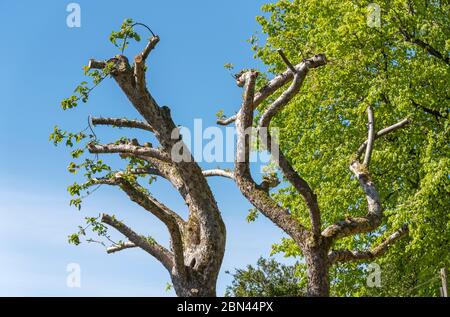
x: 267, y: 279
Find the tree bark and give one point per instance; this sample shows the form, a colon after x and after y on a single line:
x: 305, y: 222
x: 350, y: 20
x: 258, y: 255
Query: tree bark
x: 317, y: 271
x: 195, y: 285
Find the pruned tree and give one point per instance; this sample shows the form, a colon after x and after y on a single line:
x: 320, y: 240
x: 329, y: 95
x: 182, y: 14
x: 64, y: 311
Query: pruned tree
x: 315, y: 242
x: 198, y: 242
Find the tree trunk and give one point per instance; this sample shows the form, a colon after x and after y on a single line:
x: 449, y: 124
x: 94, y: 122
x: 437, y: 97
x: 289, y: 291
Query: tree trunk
x: 317, y: 271
x: 196, y: 285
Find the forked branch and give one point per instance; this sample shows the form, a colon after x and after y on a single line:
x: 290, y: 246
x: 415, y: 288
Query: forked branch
x: 372, y: 220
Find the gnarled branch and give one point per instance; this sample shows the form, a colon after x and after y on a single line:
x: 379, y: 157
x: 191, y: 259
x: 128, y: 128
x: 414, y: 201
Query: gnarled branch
x: 257, y: 195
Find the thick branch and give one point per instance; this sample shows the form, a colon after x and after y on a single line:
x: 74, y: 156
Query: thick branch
x: 147, y: 171
x: 292, y: 176
x: 348, y: 255
x: 160, y: 253
x: 257, y: 195
x: 122, y: 123
x: 128, y: 149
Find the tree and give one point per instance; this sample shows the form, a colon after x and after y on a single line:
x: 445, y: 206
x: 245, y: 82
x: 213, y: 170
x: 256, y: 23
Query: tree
x: 314, y: 242
x: 399, y: 71
x: 197, y: 244
x: 268, y: 279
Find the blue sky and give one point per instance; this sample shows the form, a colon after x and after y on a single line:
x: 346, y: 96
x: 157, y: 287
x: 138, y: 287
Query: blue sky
x: 42, y: 60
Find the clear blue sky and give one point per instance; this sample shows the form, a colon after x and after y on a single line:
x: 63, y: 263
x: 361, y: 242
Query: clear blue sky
x: 41, y: 64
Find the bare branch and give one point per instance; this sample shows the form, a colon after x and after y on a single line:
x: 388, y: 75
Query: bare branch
x: 245, y: 117
x: 159, y: 252
x: 381, y: 133
x: 218, y: 172
x: 286, y: 61
x: 150, y: 46
x: 226, y: 121
x: 139, y: 63
x: 293, y: 177
x: 120, y: 247
x: 122, y: 123
x: 257, y: 195
x: 128, y: 149
x: 348, y: 255
x: 279, y: 81
x: 370, y: 137
x: 139, y: 195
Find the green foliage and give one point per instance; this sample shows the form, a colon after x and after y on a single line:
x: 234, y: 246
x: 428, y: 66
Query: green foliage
x: 323, y: 126
x: 228, y: 66
x: 82, y: 91
x: 95, y: 226
x: 268, y: 278
x: 150, y: 240
x: 125, y: 33
x: 252, y: 215
x: 220, y: 114
x: 74, y: 239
